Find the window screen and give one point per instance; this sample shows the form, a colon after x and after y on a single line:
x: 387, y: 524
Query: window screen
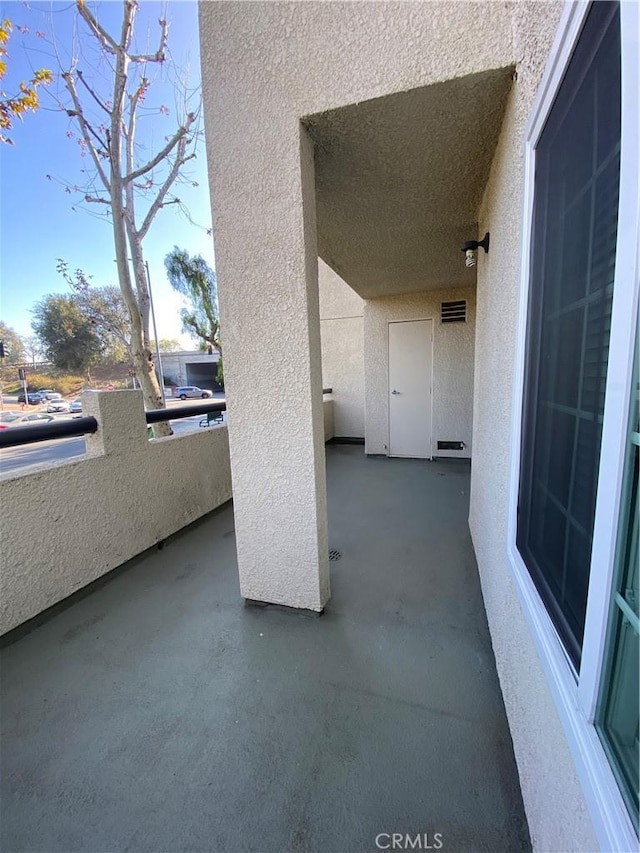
x: 571, y: 288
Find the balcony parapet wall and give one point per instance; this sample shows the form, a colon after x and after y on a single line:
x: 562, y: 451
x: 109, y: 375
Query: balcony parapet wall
x: 64, y: 527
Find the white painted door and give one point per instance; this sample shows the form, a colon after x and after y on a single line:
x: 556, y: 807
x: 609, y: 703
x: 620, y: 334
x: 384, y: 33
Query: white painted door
x: 410, y: 362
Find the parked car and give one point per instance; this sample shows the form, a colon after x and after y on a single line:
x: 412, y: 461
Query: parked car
x: 33, y: 397
x: 185, y: 391
x: 42, y: 395
x: 59, y: 406
x: 18, y: 420
x: 35, y: 418
x: 76, y: 406
x: 52, y: 395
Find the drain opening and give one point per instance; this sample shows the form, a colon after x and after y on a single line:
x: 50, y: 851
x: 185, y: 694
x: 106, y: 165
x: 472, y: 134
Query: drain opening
x: 334, y: 555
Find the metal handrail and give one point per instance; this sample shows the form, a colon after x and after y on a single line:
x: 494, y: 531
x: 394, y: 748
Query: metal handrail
x: 45, y: 432
x: 82, y: 426
x: 158, y: 416
x: 33, y: 434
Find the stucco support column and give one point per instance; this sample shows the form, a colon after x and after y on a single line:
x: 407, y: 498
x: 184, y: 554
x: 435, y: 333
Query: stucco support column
x: 266, y: 256
x: 122, y: 427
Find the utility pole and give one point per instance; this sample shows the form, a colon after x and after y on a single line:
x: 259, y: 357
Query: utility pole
x: 155, y: 334
x: 22, y: 375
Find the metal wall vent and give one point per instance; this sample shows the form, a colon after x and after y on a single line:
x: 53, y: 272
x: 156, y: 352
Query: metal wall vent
x: 454, y: 312
x: 334, y: 555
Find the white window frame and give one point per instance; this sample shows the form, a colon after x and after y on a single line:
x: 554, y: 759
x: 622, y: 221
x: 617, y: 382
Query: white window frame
x: 576, y: 694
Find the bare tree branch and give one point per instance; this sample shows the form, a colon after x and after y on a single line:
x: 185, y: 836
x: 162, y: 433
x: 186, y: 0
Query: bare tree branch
x: 96, y: 200
x: 85, y: 127
x: 175, y: 139
x: 120, y: 86
x: 164, y: 189
x: 99, y: 32
x: 131, y: 130
x: 130, y: 9
x: 101, y: 142
x: 159, y: 55
x: 91, y: 92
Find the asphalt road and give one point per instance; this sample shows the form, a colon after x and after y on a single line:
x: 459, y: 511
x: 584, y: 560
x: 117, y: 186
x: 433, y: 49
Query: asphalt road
x: 40, y: 455
x: 45, y: 453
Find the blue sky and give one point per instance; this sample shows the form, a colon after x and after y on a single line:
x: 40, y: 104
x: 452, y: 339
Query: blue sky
x: 37, y: 220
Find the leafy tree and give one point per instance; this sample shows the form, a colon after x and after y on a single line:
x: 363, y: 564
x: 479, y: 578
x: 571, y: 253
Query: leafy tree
x: 130, y: 182
x: 13, y: 344
x: 167, y: 345
x: 106, y: 310
x: 26, y: 97
x: 33, y: 348
x: 70, y: 340
x: 194, y: 279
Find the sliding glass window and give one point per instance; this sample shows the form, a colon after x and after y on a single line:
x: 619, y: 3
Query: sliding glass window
x: 569, y: 317
x: 618, y: 717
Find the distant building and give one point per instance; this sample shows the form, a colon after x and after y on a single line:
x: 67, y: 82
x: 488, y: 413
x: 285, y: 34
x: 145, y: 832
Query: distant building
x: 191, y: 367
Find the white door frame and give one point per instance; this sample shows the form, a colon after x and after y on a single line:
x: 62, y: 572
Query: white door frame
x: 412, y: 320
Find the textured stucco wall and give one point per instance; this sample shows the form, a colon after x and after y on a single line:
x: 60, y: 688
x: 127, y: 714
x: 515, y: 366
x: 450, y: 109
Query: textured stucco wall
x: 265, y: 66
x: 553, y: 798
x: 452, y: 397
x: 328, y: 414
x: 83, y: 518
x: 341, y: 332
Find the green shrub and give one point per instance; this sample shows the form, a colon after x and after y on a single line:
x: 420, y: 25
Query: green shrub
x: 65, y: 385
x: 69, y: 385
x: 38, y: 381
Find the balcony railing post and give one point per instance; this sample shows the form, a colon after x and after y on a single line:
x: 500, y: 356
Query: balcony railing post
x: 121, y: 422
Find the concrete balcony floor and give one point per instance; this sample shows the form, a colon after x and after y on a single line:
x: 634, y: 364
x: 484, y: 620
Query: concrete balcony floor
x: 159, y: 714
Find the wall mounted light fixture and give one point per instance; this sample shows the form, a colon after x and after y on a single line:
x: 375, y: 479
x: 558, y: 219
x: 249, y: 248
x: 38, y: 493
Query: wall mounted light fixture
x: 470, y: 248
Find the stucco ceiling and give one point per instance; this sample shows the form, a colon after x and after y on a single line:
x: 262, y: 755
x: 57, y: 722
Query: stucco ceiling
x: 399, y: 180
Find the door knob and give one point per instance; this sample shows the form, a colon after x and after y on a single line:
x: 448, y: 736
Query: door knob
x: 395, y: 392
